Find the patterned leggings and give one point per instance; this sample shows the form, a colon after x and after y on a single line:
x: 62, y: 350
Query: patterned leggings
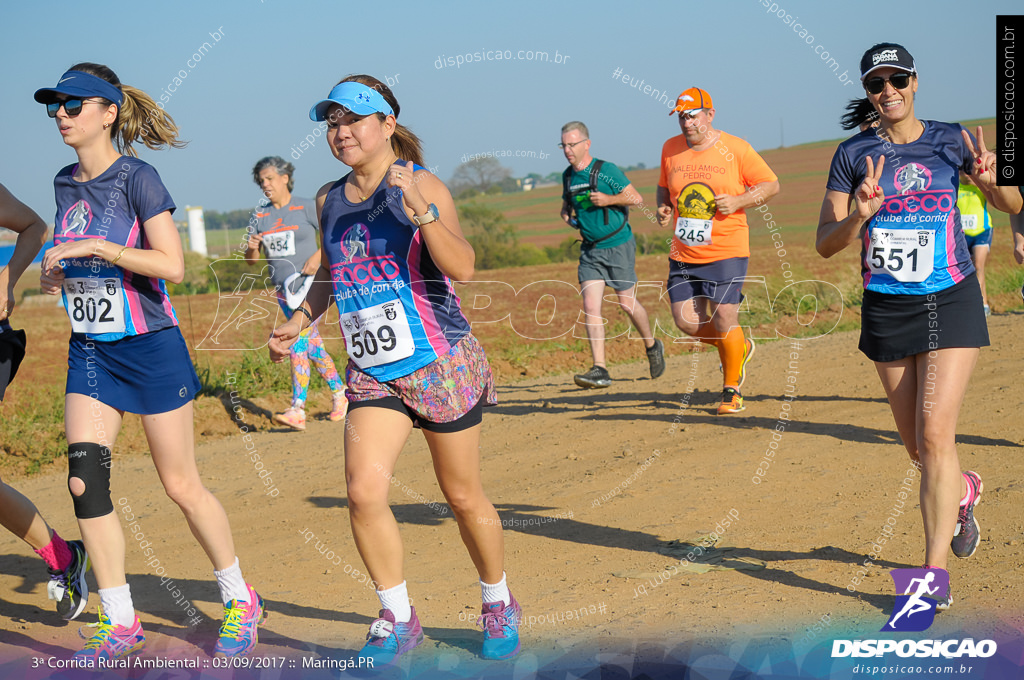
x: 310, y: 347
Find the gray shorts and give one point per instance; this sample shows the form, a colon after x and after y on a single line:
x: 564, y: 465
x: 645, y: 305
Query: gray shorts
x: 615, y: 265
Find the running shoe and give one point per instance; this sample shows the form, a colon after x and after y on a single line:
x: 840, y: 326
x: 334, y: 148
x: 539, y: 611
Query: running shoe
x: 68, y: 587
x: 732, y: 401
x: 294, y: 418
x: 501, y: 629
x: 112, y: 642
x: 388, y: 640
x: 238, y: 632
x: 968, y: 533
x: 656, y: 358
x: 597, y: 376
x: 945, y: 602
x: 748, y: 351
x: 339, y: 407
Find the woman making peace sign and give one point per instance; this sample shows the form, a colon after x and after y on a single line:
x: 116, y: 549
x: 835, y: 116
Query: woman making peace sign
x: 895, y: 187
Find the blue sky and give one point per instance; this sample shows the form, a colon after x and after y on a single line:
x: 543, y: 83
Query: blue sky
x: 249, y: 94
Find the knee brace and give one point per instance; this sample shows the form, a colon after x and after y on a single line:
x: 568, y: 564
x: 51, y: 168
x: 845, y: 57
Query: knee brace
x: 90, y: 463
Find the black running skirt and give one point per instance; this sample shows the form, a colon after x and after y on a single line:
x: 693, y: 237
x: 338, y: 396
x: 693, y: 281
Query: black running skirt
x: 898, y: 326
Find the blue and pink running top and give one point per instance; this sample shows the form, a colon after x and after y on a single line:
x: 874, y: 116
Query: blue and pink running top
x: 914, y: 244
x: 104, y: 301
x: 398, y: 312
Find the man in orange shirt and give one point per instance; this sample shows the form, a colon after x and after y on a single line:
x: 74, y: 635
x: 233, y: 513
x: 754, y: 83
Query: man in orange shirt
x: 708, y: 179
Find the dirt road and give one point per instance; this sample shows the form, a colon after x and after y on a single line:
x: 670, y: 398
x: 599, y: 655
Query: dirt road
x: 593, y: 487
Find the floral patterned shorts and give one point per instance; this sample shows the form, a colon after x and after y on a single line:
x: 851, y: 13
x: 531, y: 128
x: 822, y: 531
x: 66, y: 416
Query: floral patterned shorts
x: 440, y: 392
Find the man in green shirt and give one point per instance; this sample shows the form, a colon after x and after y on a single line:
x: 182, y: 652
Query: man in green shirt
x: 595, y: 200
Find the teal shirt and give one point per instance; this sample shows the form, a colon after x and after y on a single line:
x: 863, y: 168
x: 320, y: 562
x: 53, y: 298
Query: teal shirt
x: 612, y: 181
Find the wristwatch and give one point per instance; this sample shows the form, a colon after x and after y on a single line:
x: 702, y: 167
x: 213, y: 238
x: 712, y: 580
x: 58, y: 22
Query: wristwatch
x: 431, y: 215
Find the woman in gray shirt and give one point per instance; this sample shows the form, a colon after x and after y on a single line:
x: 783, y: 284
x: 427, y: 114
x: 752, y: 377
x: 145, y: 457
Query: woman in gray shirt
x: 287, y: 230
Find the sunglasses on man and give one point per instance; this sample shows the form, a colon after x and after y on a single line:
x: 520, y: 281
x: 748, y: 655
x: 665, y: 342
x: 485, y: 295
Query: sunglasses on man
x: 72, y: 107
x: 875, y: 85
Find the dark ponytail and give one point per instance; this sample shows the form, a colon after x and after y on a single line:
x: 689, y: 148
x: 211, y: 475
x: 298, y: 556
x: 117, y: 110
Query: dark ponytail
x: 858, y: 112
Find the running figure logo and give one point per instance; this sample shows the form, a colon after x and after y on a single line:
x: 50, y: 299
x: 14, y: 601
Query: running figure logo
x: 354, y: 243
x: 912, y: 177
x: 920, y: 588
x: 76, y: 220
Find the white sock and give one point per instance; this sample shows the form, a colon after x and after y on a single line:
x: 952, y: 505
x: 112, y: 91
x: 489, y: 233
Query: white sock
x: 496, y: 592
x: 232, y: 585
x: 397, y: 600
x: 117, y: 605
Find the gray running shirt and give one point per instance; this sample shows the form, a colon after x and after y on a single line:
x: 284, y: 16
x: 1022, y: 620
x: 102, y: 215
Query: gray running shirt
x: 289, y: 236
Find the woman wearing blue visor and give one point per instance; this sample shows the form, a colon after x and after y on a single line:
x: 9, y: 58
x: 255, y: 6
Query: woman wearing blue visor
x: 115, y: 244
x: 392, y: 246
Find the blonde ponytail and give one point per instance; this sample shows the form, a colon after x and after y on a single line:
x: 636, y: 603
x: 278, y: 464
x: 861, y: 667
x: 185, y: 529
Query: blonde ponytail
x: 140, y: 119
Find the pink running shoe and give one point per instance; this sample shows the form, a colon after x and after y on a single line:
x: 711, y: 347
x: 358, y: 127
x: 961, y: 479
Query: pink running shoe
x: 294, y: 418
x: 112, y: 642
x: 238, y: 632
x: 339, y: 407
x: 388, y: 640
x: 501, y: 629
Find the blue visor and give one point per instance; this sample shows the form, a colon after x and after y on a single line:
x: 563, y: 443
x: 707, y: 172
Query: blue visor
x: 80, y: 84
x: 355, y: 97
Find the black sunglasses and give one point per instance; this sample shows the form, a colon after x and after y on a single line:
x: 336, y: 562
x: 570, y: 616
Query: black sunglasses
x: 875, y: 85
x: 72, y: 107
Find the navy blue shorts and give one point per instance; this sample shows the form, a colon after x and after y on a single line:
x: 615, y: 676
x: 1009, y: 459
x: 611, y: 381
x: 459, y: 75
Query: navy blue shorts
x: 982, y: 239
x: 720, y: 281
x: 143, y: 374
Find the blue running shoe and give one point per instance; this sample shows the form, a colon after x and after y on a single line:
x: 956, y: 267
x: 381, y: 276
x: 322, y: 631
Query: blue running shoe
x: 112, y: 642
x: 388, y: 640
x: 501, y: 629
x: 239, y: 631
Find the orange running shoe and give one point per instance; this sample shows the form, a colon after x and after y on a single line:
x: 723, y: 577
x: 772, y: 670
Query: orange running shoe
x: 732, y: 401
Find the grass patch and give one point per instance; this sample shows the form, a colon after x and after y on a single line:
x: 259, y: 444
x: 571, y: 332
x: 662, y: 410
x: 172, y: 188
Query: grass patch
x: 34, y: 429
x: 255, y: 375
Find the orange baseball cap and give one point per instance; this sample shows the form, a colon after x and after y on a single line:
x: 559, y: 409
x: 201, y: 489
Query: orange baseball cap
x: 692, y: 99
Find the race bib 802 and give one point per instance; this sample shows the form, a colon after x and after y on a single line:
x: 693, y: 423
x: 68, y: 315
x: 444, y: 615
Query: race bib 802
x: 95, y: 305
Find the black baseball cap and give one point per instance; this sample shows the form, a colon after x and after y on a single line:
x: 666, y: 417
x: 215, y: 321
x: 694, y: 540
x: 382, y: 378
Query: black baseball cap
x: 886, y: 54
